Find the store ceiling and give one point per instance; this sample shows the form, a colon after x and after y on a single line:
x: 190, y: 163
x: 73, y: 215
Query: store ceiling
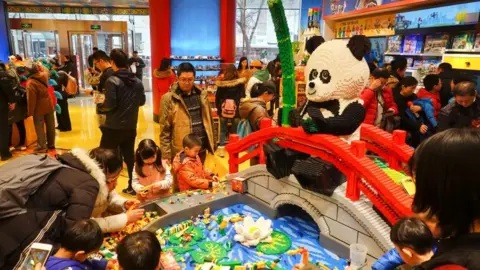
x: 83, y: 3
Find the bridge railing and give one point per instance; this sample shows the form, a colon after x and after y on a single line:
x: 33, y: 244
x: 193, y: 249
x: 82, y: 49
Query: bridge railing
x: 363, y: 175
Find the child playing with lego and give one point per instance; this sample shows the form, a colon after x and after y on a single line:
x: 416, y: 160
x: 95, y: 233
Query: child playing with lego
x: 80, y: 241
x: 189, y: 169
x: 140, y: 250
x: 151, y: 179
x: 414, y: 244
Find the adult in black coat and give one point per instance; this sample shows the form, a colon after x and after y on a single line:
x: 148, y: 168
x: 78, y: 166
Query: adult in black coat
x: 7, y: 97
x: 446, y: 74
x: 63, y: 118
x: 69, y: 66
x: 464, y: 112
x: 124, y: 95
x: 68, y: 195
x: 139, y: 64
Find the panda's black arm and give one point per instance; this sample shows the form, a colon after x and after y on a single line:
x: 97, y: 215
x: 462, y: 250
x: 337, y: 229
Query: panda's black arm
x: 344, y: 124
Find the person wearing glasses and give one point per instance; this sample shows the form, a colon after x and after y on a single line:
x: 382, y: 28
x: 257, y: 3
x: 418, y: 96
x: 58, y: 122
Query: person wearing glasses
x: 185, y: 110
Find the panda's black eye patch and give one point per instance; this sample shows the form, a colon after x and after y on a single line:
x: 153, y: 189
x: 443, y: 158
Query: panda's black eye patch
x: 325, y: 76
x: 313, y: 74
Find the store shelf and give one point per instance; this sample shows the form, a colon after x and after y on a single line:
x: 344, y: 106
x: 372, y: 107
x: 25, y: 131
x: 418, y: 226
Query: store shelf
x: 417, y: 54
x: 175, y: 69
x: 193, y: 59
x: 393, y: 7
x: 474, y: 51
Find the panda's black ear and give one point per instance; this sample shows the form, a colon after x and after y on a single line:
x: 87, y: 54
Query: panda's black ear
x: 313, y: 43
x: 359, y: 46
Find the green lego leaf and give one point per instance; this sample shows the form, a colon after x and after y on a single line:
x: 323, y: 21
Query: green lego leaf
x: 214, y: 250
x: 280, y: 244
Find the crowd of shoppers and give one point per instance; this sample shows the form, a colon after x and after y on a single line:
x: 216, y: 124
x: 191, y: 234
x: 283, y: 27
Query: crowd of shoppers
x: 85, y: 186
x: 446, y: 100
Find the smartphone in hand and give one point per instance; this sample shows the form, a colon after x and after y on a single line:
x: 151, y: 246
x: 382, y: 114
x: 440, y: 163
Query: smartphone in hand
x: 38, y: 254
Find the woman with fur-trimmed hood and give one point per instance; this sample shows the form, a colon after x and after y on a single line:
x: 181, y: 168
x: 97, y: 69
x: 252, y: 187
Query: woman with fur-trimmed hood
x: 230, y: 91
x: 164, y: 77
x: 81, y: 189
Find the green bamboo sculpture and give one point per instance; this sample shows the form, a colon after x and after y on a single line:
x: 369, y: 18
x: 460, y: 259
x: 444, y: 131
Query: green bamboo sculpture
x: 286, y: 57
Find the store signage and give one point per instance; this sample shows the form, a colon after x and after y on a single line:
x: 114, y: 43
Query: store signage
x: 26, y: 25
x: 461, y: 14
x: 96, y: 27
x: 370, y: 27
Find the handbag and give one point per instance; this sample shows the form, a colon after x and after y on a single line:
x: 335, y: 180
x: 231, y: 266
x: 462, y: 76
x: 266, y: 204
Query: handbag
x: 390, y: 122
x: 229, y: 108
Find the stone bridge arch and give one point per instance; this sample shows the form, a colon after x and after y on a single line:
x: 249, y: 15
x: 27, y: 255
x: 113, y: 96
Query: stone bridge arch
x: 341, y: 221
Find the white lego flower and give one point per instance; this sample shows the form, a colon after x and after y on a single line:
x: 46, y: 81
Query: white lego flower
x: 251, y: 232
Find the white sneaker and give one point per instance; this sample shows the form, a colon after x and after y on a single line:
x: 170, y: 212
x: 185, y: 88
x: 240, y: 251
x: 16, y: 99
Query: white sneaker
x: 21, y: 148
x: 12, y: 148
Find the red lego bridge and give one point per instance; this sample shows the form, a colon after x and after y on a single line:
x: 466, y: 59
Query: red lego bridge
x: 363, y: 175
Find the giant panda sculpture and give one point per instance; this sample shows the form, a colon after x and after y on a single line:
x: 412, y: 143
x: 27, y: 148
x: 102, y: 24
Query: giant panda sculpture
x: 336, y: 73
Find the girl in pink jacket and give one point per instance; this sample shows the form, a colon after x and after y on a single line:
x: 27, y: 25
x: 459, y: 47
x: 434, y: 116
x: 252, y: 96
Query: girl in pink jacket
x: 151, y: 179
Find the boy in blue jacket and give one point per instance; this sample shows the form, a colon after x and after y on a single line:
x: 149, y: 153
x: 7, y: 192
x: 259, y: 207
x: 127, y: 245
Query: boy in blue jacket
x: 414, y: 244
x: 80, y: 241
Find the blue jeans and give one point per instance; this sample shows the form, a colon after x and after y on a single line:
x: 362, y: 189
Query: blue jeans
x: 223, y: 128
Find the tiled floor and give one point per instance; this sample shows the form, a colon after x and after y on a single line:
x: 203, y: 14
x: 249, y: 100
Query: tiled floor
x: 86, y: 134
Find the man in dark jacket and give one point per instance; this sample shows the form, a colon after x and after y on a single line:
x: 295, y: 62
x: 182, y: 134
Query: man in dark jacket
x: 7, y: 97
x: 445, y: 72
x: 102, y: 61
x: 139, y: 64
x: 124, y: 94
x: 465, y: 111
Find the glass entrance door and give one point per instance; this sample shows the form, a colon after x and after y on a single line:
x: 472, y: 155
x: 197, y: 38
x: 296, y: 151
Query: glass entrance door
x: 36, y: 44
x: 81, y: 47
x: 109, y: 41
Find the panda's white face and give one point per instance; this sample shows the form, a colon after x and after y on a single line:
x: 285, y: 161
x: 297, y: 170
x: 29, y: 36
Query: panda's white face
x: 332, y: 72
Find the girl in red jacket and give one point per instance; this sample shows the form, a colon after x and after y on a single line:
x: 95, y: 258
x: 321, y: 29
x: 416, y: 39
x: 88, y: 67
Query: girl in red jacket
x: 378, y: 99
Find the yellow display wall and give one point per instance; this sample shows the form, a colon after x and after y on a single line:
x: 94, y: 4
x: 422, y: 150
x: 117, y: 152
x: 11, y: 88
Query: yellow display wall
x: 463, y: 61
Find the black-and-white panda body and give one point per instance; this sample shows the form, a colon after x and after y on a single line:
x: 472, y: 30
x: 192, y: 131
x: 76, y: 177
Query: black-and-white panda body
x: 336, y: 74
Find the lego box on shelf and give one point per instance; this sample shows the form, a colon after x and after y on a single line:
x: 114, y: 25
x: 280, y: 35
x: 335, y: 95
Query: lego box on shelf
x: 239, y: 185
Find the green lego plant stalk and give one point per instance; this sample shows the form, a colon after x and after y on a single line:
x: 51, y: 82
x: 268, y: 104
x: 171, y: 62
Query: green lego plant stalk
x: 286, y: 57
